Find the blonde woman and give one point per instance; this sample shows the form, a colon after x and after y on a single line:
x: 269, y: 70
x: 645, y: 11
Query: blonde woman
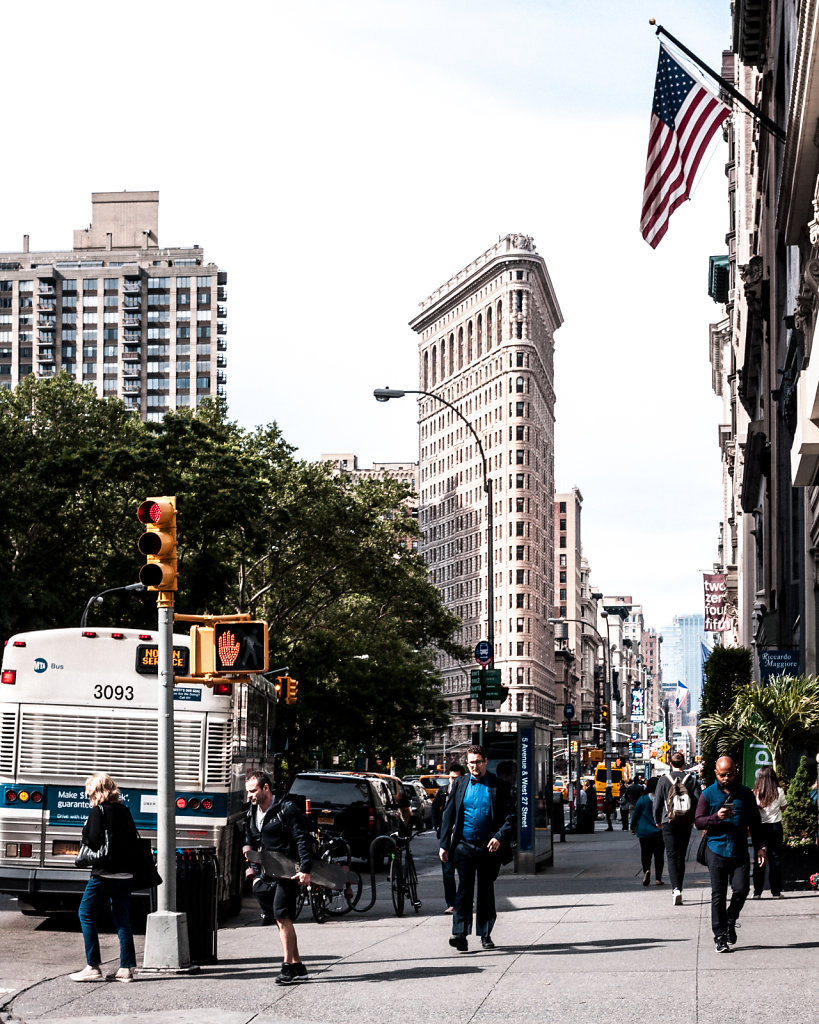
x: 771, y: 800
x: 110, y: 881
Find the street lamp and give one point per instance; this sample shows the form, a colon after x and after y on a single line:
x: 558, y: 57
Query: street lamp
x: 602, y: 643
x: 622, y: 610
x: 97, y: 599
x: 384, y: 395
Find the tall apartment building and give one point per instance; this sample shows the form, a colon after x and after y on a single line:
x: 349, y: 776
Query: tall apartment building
x: 576, y: 639
x: 486, y: 346
x: 144, y: 323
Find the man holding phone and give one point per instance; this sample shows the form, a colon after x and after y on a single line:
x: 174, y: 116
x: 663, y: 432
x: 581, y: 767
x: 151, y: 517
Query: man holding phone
x: 727, y: 810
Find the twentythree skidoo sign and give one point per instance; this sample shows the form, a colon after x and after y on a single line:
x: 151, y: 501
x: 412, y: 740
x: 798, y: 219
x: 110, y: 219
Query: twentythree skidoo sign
x: 717, y: 619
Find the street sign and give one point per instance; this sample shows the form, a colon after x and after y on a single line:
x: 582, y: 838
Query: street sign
x: 568, y: 710
x: 483, y: 652
x: 571, y: 728
x: 315, y: 755
x: 635, y: 736
x: 665, y: 748
x: 637, y: 749
x: 493, y: 684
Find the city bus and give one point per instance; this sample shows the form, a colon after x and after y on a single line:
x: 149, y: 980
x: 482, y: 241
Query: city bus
x: 78, y: 701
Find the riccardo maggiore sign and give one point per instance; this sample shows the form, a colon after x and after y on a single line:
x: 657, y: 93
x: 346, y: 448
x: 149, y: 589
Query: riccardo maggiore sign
x: 717, y: 619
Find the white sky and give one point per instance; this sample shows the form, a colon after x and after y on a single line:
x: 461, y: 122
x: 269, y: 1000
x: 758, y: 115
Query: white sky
x: 342, y: 158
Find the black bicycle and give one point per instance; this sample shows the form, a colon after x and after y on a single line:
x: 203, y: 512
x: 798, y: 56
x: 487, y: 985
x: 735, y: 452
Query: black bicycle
x: 326, y: 902
x: 403, y: 876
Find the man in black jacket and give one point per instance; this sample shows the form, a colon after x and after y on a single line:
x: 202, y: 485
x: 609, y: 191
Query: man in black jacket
x: 280, y: 826
x: 456, y: 772
x: 477, y: 830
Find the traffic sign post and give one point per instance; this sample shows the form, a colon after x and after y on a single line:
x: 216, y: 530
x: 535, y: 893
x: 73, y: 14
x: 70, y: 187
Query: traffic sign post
x: 484, y: 653
x: 485, y: 684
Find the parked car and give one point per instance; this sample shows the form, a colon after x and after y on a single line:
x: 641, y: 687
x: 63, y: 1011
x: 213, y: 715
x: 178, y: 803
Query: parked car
x: 356, y: 807
x: 420, y: 806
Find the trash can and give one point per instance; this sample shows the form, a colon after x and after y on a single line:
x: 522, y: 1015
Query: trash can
x: 197, y: 874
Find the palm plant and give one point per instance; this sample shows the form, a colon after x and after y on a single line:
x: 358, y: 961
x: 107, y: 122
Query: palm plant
x: 778, y: 715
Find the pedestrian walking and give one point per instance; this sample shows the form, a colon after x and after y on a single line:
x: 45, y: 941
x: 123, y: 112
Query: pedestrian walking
x: 456, y: 772
x: 771, y: 800
x: 674, y: 804
x: 476, y: 831
x: 280, y: 826
x: 110, y: 831
x: 591, y: 806
x: 649, y: 833
x: 728, y: 810
x: 609, y: 807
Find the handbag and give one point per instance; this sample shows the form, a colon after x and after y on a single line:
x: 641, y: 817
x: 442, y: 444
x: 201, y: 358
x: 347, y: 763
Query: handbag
x: 143, y: 867
x: 701, y: 854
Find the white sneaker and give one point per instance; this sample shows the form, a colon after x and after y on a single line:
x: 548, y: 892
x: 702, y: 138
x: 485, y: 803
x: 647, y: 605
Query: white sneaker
x: 88, y: 973
x: 123, y: 974
x: 677, y: 897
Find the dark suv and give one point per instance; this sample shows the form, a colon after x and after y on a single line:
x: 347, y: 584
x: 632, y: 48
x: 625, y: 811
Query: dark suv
x: 356, y: 807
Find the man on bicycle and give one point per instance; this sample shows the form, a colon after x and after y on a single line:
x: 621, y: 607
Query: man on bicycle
x: 280, y: 826
x: 477, y: 830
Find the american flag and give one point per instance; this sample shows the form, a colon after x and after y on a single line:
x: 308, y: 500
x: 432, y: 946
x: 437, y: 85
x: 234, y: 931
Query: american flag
x: 684, y: 118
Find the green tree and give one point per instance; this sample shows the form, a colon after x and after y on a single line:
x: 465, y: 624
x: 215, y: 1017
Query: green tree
x: 779, y: 715
x: 799, y: 817
x: 726, y: 670
x: 328, y: 563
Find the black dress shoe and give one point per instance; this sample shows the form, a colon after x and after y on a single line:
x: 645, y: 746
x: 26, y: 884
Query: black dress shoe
x: 487, y: 943
x: 459, y: 942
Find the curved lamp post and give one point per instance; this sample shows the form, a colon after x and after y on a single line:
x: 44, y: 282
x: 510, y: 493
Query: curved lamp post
x: 602, y: 643
x: 384, y: 395
x: 97, y: 599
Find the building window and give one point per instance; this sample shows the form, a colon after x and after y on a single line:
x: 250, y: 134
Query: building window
x: 518, y: 359
x: 562, y: 575
x: 519, y: 576
x: 518, y: 529
x: 519, y: 552
x: 519, y: 625
x: 562, y: 524
x: 519, y: 385
x: 562, y: 559
x: 519, y: 477
x: 518, y: 600
x: 519, y: 504
x: 563, y: 542
x: 519, y: 457
x: 519, y: 330
x: 519, y: 409
x: 519, y: 649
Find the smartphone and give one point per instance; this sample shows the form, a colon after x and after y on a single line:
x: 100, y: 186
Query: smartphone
x: 729, y: 805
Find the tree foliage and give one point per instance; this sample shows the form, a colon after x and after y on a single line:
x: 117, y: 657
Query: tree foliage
x: 327, y: 563
x: 726, y: 670
x: 779, y: 715
x: 799, y: 817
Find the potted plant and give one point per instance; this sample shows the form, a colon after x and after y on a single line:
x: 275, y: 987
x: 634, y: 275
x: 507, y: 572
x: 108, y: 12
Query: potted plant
x: 800, y: 854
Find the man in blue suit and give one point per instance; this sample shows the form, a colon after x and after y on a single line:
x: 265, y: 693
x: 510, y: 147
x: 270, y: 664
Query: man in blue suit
x: 477, y: 831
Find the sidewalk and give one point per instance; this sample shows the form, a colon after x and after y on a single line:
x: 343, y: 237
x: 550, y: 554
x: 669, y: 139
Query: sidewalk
x: 581, y: 942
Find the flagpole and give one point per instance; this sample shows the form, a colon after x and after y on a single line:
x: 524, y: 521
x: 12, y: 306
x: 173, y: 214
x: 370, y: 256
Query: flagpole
x: 763, y: 119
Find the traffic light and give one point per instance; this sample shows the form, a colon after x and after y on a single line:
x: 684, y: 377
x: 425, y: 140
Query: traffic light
x: 604, y: 711
x: 292, y: 690
x: 277, y: 686
x: 240, y: 647
x: 158, y: 543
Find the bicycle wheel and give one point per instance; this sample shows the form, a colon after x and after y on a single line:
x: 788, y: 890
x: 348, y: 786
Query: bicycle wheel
x: 318, y: 903
x: 342, y: 901
x: 397, y: 884
x: 412, y: 882
x: 300, y: 899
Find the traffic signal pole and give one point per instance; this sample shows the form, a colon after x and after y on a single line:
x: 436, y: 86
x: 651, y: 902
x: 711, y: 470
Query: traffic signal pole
x: 166, y: 933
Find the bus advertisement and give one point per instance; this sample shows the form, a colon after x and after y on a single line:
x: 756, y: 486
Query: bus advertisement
x: 78, y: 701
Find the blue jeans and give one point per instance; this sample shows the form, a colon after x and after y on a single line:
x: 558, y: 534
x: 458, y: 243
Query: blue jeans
x: 737, y: 871
x: 118, y: 892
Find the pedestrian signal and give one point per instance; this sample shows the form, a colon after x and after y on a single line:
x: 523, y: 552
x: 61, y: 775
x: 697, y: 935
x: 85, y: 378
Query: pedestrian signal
x: 158, y: 543
x: 240, y: 647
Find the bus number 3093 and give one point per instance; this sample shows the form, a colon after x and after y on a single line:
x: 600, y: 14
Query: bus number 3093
x: 113, y: 692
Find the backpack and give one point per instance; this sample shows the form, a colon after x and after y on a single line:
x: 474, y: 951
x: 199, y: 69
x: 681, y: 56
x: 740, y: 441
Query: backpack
x: 678, y: 803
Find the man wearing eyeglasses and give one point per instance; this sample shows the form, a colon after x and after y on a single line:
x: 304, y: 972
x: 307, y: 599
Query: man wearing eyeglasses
x: 727, y: 810
x: 476, y: 832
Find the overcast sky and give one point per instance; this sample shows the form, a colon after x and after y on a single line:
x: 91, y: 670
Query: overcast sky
x: 342, y: 159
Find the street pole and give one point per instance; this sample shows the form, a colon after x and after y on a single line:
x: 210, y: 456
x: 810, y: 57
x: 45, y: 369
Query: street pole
x: 384, y: 395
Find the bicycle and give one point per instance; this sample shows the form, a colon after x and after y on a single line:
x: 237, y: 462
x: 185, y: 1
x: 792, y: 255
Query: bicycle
x: 403, y: 875
x: 325, y: 902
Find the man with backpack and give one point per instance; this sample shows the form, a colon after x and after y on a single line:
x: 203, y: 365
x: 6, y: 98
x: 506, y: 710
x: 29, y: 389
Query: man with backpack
x: 281, y: 826
x: 675, y: 801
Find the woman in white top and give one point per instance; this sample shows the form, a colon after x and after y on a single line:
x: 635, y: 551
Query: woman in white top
x: 771, y: 799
